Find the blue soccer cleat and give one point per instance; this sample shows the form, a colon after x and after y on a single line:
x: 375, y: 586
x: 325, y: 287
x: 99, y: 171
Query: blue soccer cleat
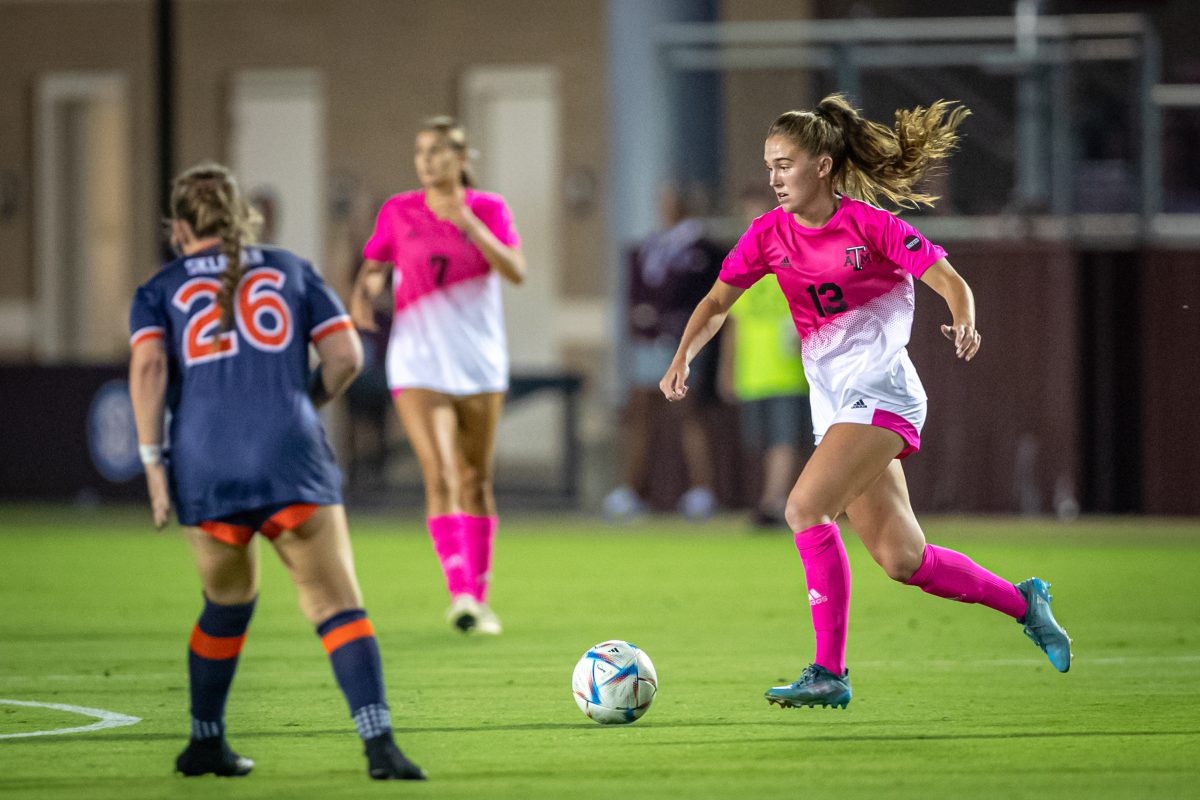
x: 816, y: 686
x: 1042, y: 627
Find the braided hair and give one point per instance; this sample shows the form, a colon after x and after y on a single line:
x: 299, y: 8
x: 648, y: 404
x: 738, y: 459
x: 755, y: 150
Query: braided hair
x: 206, y: 197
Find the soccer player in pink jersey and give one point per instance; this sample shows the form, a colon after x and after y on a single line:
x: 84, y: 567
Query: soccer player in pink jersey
x: 847, y: 270
x: 448, y: 245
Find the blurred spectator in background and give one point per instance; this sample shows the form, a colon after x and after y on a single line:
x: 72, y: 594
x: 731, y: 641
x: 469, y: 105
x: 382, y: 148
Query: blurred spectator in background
x: 761, y: 370
x: 670, y: 272
x: 369, y: 404
x: 266, y: 202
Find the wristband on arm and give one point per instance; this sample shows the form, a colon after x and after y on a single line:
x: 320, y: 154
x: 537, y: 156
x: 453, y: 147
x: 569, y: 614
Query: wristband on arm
x: 150, y: 454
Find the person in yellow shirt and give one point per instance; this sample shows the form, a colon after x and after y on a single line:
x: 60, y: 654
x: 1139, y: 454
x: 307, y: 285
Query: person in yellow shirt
x: 765, y: 377
x: 762, y: 372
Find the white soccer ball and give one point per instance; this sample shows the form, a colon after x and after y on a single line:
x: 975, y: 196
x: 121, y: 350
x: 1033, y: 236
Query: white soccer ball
x: 614, y: 683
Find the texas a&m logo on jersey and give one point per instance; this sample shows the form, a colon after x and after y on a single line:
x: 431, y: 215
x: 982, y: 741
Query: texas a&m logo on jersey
x: 858, y: 257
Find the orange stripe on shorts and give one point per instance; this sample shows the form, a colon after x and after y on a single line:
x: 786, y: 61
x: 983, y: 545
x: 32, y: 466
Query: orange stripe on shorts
x: 218, y: 648
x: 359, y: 629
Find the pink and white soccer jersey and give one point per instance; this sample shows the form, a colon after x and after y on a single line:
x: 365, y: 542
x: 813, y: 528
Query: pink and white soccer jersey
x: 448, y: 329
x: 849, y: 285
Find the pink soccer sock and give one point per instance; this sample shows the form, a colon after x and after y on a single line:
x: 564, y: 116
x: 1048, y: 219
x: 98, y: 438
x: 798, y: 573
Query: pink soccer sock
x: 479, y: 534
x: 952, y: 575
x: 827, y: 573
x: 448, y: 536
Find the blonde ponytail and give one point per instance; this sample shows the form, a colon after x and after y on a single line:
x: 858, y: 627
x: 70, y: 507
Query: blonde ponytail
x: 870, y: 160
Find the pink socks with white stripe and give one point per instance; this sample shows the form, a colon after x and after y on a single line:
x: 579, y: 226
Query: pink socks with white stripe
x: 827, y: 573
x: 463, y: 544
x: 952, y: 575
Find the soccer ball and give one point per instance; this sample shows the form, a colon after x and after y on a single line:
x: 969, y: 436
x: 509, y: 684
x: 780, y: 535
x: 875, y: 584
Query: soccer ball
x: 614, y: 683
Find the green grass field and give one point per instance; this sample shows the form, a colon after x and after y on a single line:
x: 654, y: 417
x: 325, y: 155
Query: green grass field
x: 950, y: 700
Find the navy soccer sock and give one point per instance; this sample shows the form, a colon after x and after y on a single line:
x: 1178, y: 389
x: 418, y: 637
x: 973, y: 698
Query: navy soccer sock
x: 350, y: 641
x: 212, y: 659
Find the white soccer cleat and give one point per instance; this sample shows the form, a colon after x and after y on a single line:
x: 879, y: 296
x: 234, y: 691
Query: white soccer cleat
x: 486, y: 621
x: 463, y: 614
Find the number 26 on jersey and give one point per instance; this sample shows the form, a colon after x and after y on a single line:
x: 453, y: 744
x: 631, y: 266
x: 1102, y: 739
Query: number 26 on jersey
x: 263, y: 318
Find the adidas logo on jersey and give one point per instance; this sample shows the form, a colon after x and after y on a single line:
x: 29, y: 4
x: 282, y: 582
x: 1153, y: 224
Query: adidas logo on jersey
x: 815, y: 598
x: 858, y: 404
x: 787, y: 262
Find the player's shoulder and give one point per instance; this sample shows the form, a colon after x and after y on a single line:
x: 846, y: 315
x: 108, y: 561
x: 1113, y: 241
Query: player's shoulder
x: 270, y: 255
x: 478, y: 198
x: 768, y: 221
x: 168, y: 276
x: 404, y: 200
x: 867, y: 212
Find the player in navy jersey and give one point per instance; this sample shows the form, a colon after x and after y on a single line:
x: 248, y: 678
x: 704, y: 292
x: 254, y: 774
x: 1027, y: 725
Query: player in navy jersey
x: 220, y: 337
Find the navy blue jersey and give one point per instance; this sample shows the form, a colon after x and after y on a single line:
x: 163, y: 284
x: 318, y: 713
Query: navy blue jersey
x: 243, y: 432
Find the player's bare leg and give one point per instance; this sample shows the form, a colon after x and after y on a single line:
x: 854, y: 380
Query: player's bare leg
x: 849, y: 458
x: 319, y: 559
x: 318, y: 556
x: 478, y: 418
x: 431, y: 422
x: 229, y: 575
x: 885, y: 522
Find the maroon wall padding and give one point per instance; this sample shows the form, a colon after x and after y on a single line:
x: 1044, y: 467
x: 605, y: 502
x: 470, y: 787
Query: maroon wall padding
x: 1003, y: 430
x: 44, y: 431
x: 1170, y: 377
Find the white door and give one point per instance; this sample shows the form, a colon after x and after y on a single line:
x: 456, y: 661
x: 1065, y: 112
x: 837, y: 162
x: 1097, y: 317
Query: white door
x: 82, y: 168
x: 511, y: 115
x: 277, y: 150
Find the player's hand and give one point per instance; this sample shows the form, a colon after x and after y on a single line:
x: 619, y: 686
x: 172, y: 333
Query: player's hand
x: 160, y: 497
x: 966, y: 339
x: 452, y: 209
x: 674, y: 383
x: 362, y: 301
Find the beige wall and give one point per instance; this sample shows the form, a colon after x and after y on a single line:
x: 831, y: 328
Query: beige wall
x: 754, y: 98
x: 389, y: 65
x: 386, y: 65
x: 45, y: 37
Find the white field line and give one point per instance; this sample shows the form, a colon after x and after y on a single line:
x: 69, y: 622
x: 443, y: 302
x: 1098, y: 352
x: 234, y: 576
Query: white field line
x: 106, y: 719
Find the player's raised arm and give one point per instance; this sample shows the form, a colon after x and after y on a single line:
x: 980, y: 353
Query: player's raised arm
x: 506, y: 259
x: 943, y: 279
x: 702, y: 326
x: 148, y: 390
x: 367, y: 286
